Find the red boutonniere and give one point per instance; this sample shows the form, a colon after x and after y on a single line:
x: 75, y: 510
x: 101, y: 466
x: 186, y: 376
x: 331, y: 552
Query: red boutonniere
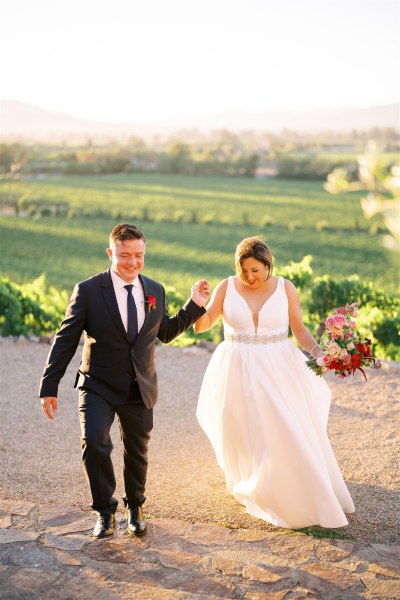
x: 151, y: 303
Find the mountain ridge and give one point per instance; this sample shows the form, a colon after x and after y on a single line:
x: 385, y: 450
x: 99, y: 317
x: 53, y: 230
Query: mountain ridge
x: 20, y: 120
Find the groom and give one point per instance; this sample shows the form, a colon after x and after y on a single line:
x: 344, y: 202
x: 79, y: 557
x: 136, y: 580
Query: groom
x: 121, y: 313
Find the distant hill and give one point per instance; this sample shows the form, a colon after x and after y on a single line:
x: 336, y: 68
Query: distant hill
x: 25, y: 121
x: 20, y: 121
x: 344, y: 119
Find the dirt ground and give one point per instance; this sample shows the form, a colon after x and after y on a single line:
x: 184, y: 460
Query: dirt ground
x: 40, y: 459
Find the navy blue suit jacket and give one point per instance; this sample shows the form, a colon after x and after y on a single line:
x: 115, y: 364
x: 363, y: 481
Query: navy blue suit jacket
x: 108, y: 358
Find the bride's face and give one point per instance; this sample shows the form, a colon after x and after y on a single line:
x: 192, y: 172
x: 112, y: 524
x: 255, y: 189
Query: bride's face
x: 254, y: 273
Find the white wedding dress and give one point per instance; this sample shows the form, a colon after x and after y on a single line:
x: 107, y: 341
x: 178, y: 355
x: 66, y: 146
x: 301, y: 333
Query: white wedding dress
x: 265, y: 413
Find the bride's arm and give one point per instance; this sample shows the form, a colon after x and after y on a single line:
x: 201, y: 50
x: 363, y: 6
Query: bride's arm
x: 214, y: 308
x: 301, y: 333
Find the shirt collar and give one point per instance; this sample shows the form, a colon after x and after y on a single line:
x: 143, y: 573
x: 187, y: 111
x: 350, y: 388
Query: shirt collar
x: 120, y: 283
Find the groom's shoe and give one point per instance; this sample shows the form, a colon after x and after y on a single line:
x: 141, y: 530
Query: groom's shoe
x: 136, y: 521
x: 104, y: 526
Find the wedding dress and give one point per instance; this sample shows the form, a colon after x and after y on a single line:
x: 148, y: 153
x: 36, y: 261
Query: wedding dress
x: 265, y: 414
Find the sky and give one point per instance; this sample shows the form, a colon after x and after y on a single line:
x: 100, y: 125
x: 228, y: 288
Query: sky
x: 149, y: 60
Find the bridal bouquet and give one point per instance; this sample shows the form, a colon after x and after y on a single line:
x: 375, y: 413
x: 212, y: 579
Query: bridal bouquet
x: 343, y: 350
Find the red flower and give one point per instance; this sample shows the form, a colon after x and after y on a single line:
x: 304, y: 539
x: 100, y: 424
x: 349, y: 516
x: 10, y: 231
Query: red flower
x: 336, y: 364
x: 151, y: 303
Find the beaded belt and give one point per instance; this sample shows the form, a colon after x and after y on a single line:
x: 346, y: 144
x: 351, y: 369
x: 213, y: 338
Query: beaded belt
x: 256, y: 339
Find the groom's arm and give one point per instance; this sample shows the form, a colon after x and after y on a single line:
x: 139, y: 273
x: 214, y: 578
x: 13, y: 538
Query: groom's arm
x: 171, y: 327
x: 64, y: 345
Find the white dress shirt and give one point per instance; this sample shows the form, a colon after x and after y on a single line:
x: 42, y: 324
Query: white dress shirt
x: 122, y: 299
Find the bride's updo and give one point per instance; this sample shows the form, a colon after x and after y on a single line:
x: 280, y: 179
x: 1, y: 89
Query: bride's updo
x: 253, y: 247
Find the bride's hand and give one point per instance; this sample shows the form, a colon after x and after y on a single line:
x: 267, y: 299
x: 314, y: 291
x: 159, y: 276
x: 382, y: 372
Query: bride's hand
x: 201, y: 292
x: 316, y: 351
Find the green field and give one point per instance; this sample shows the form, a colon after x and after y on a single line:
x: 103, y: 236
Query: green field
x: 223, y: 199
x: 226, y: 210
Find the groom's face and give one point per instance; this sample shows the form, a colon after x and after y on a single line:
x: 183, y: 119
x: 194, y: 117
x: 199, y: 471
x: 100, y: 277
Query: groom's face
x: 127, y: 258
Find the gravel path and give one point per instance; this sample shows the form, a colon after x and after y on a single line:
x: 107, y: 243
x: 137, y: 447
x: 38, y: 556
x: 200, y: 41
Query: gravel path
x: 40, y: 460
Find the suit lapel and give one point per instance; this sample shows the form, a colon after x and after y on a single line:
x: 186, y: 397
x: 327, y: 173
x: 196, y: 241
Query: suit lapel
x: 146, y: 308
x: 111, y: 301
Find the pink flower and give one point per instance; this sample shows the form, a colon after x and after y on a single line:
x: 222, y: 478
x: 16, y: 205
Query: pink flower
x: 333, y: 349
x: 321, y: 361
x: 352, y: 324
x: 339, y: 321
x: 330, y: 322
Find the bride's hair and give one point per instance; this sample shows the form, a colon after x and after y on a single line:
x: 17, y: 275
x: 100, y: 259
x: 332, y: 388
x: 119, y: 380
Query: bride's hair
x: 253, y: 247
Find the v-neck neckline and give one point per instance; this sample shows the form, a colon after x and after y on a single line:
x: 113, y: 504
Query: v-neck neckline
x: 262, y: 306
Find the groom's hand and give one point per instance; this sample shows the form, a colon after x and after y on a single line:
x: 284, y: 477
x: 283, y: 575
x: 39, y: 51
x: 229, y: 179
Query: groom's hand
x: 201, y: 292
x: 49, y: 406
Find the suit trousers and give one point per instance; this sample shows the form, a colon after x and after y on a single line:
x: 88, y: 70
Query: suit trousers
x: 135, y: 423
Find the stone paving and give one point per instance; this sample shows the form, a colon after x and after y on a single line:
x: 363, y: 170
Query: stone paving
x: 48, y: 552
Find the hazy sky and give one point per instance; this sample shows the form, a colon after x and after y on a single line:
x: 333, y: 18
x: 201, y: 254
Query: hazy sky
x: 130, y: 60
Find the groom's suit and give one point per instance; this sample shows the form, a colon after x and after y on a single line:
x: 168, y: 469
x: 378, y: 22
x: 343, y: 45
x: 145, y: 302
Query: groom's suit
x: 115, y: 376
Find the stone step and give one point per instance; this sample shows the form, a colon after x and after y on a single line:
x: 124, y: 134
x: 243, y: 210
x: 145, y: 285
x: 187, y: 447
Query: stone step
x: 48, y: 552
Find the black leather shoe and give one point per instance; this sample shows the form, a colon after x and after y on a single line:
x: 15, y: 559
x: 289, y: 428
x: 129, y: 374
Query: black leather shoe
x: 135, y: 519
x: 104, y: 526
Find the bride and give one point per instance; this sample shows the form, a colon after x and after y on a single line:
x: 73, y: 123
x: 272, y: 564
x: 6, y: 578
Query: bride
x: 264, y: 412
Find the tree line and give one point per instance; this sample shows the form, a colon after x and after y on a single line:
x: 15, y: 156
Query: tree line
x: 289, y: 154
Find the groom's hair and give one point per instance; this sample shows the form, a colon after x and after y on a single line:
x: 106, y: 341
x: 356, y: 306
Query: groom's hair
x: 124, y: 231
